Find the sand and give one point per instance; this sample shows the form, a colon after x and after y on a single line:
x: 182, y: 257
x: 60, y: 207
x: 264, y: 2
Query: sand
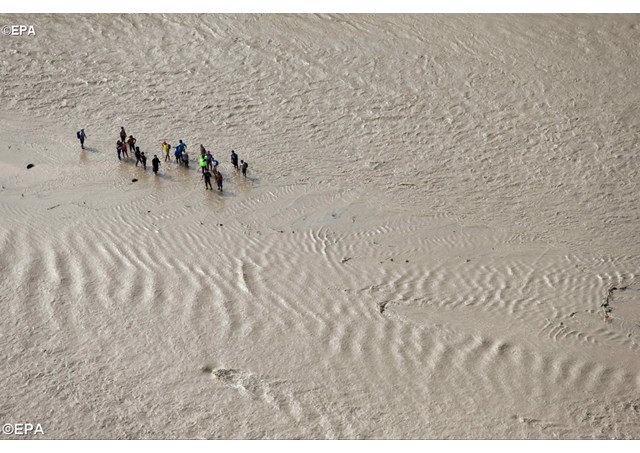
x: 437, y: 237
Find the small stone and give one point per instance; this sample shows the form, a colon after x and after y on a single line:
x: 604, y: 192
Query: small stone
x: 134, y: 180
x: 30, y: 166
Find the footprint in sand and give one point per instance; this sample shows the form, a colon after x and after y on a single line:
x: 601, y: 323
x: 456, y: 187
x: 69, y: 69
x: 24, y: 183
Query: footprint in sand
x: 274, y: 394
x: 246, y: 383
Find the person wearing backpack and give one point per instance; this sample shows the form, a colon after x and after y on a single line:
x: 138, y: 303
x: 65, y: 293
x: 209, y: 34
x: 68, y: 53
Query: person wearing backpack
x: 166, y: 147
x: 81, y: 136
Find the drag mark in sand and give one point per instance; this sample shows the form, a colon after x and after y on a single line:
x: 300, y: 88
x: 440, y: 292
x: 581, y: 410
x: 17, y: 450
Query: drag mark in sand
x: 243, y: 278
x: 259, y: 388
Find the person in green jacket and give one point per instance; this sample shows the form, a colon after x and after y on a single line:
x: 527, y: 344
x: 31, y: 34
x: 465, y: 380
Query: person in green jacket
x: 203, y: 163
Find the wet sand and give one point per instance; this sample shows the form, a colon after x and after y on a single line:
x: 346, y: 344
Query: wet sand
x: 436, y: 237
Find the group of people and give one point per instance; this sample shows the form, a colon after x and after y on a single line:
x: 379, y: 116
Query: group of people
x: 121, y: 149
x: 208, y: 164
x: 182, y: 156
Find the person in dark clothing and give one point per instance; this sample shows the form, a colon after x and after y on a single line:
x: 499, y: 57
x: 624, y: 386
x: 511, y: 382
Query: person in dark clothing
x: 81, y: 136
x: 119, y: 149
x: 218, y: 177
x: 138, y: 155
x: 178, y: 155
x: 123, y: 134
x: 155, y: 163
x: 207, y: 180
x: 131, y: 141
x: 244, y: 167
x: 234, y: 159
x: 209, y: 158
x: 143, y: 159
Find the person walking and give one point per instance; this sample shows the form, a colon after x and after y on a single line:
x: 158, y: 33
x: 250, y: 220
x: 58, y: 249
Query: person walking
x: 166, y: 148
x: 119, y: 149
x: 203, y: 163
x: 181, y: 146
x: 207, y: 180
x: 138, y: 155
x: 81, y: 136
x: 155, y: 163
x: 218, y: 177
x: 209, y: 159
x: 234, y: 159
x: 185, y: 158
x: 143, y: 158
x: 123, y: 134
x: 244, y: 167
